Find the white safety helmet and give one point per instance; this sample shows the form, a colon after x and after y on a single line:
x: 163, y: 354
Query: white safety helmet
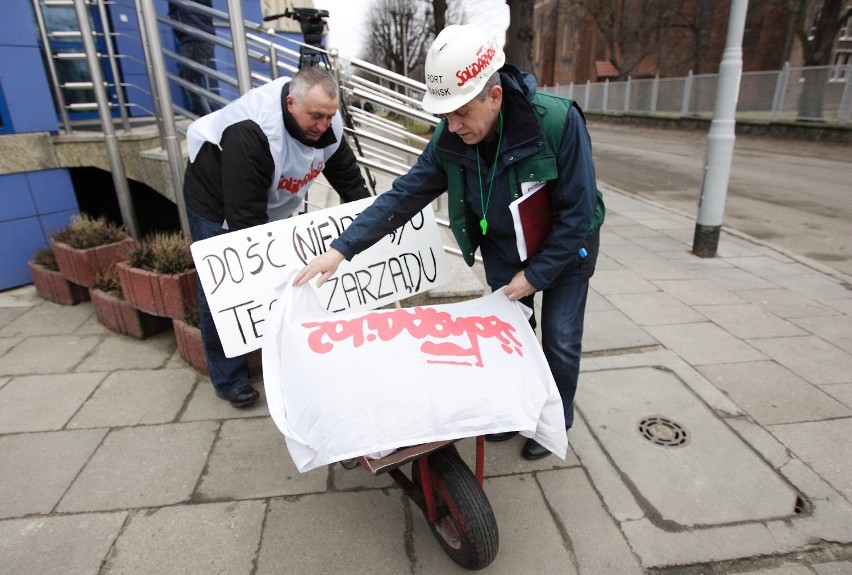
x: 458, y: 64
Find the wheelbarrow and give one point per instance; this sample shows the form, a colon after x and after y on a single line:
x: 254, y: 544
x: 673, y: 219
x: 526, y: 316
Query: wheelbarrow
x: 450, y: 496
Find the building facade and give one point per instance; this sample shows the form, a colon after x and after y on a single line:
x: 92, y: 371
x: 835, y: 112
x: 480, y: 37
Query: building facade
x: 686, y: 37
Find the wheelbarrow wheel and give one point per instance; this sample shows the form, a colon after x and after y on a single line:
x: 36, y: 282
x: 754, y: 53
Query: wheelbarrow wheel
x: 466, y: 527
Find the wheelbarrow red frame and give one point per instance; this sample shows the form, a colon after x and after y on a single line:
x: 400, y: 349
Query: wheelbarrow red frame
x: 455, y: 507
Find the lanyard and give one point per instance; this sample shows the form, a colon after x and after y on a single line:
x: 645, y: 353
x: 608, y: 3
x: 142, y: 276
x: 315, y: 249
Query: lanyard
x: 486, y: 201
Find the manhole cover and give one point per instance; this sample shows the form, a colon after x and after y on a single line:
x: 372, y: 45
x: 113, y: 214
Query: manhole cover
x: 663, y: 431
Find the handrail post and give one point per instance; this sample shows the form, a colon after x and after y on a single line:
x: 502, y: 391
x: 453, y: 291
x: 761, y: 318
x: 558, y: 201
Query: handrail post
x: 655, y: 93
x: 845, y: 108
x: 687, y: 94
x: 149, y: 69
x: 238, y: 36
x: 122, y: 188
x: 273, y: 62
x: 161, y: 88
x: 780, y: 91
x: 113, y: 66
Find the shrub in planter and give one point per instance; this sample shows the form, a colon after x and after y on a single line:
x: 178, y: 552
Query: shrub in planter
x: 49, y: 282
x: 189, y: 343
x: 117, y: 314
x: 159, y: 276
x: 89, y: 247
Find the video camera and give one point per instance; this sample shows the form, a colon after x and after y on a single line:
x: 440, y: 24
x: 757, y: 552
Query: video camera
x: 312, y: 22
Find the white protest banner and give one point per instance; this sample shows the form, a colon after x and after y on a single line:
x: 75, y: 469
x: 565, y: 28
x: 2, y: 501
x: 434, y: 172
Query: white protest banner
x: 238, y: 270
x: 356, y: 383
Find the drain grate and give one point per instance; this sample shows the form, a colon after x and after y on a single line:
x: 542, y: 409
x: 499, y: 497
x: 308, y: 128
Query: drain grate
x: 663, y: 431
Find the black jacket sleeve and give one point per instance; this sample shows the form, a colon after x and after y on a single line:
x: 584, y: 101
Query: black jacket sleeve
x: 344, y: 175
x: 247, y: 171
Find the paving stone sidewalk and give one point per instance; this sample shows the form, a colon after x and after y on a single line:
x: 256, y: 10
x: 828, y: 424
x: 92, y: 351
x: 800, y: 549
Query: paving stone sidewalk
x: 713, y: 436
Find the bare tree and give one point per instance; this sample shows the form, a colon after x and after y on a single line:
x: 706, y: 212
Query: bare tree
x: 401, y: 31
x: 398, y: 34
x: 690, y: 20
x: 630, y: 28
x: 817, y: 26
x: 520, y: 34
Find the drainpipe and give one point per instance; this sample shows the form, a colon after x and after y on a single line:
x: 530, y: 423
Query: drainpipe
x: 720, y: 140
x: 122, y: 188
x: 164, y: 96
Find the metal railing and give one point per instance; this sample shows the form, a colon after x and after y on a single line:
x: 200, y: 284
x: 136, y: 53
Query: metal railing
x: 380, y: 109
x: 381, y: 112
x: 792, y: 94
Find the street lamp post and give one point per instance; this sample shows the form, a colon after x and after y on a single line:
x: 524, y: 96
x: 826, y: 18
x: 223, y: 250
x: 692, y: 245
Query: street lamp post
x: 720, y: 140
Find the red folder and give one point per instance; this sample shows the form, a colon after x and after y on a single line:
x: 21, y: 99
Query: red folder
x: 532, y: 217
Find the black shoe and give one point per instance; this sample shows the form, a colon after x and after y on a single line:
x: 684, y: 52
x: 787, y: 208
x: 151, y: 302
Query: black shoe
x: 495, y: 437
x: 532, y: 450
x: 241, y: 397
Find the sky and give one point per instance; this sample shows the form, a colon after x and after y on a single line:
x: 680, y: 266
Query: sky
x: 346, y: 21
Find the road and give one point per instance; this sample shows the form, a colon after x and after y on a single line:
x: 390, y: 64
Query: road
x: 792, y: 193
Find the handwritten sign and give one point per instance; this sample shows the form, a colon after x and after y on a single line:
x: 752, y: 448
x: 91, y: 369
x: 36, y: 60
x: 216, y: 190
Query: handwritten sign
x: 239, y: 270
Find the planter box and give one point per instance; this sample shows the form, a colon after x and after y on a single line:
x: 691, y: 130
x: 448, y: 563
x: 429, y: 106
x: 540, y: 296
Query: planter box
x: 189, y: 345
x: 191, y: 349
x: 83, y: 266
x: 119, y: 315
x: 53, y: 286
x: 159, y: 294
x: 255, y: 363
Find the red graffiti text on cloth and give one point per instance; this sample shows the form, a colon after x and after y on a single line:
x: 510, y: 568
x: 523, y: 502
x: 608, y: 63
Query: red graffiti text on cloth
x: 420, y: 323
x: 293, y: 185
x: 483, y: 58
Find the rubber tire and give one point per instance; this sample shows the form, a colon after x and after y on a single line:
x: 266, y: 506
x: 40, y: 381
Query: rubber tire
x: 466, y: 527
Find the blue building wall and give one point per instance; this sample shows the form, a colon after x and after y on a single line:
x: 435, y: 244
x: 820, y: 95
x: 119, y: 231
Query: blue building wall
x: 22, y: 74
x: 37, y: 204
x: 33, y: 203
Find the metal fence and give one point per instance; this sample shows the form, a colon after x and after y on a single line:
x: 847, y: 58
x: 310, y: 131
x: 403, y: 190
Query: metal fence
x: 810, y: 94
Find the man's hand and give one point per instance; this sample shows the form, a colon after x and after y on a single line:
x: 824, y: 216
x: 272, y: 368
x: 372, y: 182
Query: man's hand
x: 519, y: 287
x: 325, y: 265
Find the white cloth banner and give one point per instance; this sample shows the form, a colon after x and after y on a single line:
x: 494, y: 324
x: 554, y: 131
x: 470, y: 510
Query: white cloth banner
x: 348, y: 384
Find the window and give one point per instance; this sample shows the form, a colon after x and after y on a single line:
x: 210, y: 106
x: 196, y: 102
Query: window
x: 846, y: 29
x: 842, y: 60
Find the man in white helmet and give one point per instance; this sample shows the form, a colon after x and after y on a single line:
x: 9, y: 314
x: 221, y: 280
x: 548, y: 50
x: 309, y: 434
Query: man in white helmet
x: 498, y: 139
